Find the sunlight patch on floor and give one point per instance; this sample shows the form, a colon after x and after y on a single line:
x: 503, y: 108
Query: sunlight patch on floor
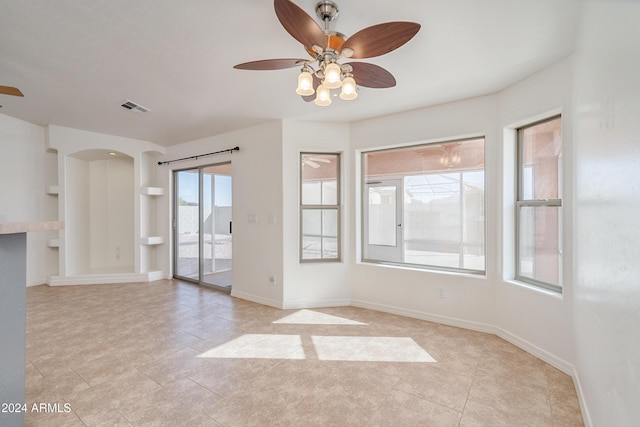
x: 310, y: 317
x: 259, y: 346
x: 328, y: 348
x: 370, y: 349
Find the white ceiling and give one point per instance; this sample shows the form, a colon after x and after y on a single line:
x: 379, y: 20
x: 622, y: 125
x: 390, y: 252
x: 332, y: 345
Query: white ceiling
x: 76, y: 61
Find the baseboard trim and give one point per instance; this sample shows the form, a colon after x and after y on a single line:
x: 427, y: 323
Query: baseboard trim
x: 586, y: 417
x: 256, y: 299
x: 156, y: 275
x: 102, y: 279
x: 415, y: 314
x: 541, y: 354
x: 292, y: 305
x: 36, y: 284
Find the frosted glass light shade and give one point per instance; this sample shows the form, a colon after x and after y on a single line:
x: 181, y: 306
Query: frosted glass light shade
x: 305, y: 84
x: 348, y: 89
x: 332, y: 74
x: 323, y: 96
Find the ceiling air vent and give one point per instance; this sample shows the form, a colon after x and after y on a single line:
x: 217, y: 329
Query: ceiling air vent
x: 130, y: 105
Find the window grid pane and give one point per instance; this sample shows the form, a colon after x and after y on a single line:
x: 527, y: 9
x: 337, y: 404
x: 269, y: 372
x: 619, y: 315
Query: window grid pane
x: 540, y: 160
x: 319, y: 233
x: 539, y: 245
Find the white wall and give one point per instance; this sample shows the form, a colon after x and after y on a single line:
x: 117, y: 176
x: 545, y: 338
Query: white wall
x: 111, y: 215
x: 314, y: 284
x: 257, y: 190
x: 77, y: 214
x: 607, y: 279
x: 468, y: 299
x: 537, y: 320
x: 26, y: 170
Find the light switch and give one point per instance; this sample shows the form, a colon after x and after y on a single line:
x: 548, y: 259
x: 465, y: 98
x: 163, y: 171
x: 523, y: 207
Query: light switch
x: 252, y: 218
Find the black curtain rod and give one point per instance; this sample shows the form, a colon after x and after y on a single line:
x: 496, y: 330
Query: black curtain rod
x: 228, y: 150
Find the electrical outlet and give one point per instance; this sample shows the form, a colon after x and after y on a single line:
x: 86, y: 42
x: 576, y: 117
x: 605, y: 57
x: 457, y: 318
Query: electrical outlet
x: 441, y: 292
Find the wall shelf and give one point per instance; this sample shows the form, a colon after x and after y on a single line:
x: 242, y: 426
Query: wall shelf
x: 53, y: 243
x: 152, y: 191
x: 152, y: 240
x: 53, y: 190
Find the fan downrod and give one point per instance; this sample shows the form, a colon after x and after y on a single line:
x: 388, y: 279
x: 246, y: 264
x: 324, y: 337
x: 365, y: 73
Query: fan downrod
x: 327, y: 10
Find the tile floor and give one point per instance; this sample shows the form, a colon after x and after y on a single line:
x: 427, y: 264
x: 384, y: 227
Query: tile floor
x: 172, y: 353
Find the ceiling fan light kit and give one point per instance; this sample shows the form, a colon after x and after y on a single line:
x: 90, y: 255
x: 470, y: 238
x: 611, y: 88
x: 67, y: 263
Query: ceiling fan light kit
x: 305, y: 83
x: 323, y: 73
x: 323, y: 96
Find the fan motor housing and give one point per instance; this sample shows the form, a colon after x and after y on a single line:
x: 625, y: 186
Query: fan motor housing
x: 327, y: 10
x: 335, y: 40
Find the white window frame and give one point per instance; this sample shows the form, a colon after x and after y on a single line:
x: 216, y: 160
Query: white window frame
x: 521, y: 202
x: 365, y: 184
x: 336, y: 207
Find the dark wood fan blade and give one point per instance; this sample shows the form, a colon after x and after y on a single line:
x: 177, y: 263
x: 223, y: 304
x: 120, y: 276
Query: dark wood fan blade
x: 370, y: 75
x: 299, y: 24
x: 9, y: 90
x: 269, y: 64
x: 316, y: 83
x: 380, y: 39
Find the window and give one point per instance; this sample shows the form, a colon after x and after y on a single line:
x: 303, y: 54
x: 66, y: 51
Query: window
x: 320, y: 207
x: 424, y: 206
x: 539, y: 204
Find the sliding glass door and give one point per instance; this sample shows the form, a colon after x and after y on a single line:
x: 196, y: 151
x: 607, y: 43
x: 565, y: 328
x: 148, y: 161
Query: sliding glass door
x: 186, y: 224
x: 202, y: 225
x: 216, y: 225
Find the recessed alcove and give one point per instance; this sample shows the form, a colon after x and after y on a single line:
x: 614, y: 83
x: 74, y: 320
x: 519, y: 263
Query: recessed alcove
x: 100, y: 212
x: 107, y: 194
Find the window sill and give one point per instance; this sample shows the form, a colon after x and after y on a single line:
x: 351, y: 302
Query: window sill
x: 534, y: 288
x: 321, y: 261
x: 479, y: 275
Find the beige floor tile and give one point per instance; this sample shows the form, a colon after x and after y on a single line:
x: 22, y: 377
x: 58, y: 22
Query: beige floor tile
x: 103, y: 368
x: 173, y: 367
x: 402, y: 409
x: 171, y: 353
x: 106, y: 418
x: 478, y: 415
x: 224, y: 376
x: 565, y: 407
x: 331, y: 405
x: 529, y: 401
x: 181, y: 403
x: 430, y: 382
x: 53, y: 387
x: 113, y: 394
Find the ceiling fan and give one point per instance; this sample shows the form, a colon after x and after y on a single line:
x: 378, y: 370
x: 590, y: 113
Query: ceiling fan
x: 322, y: 73
x: 313, y: 161
x: 9, y: 90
